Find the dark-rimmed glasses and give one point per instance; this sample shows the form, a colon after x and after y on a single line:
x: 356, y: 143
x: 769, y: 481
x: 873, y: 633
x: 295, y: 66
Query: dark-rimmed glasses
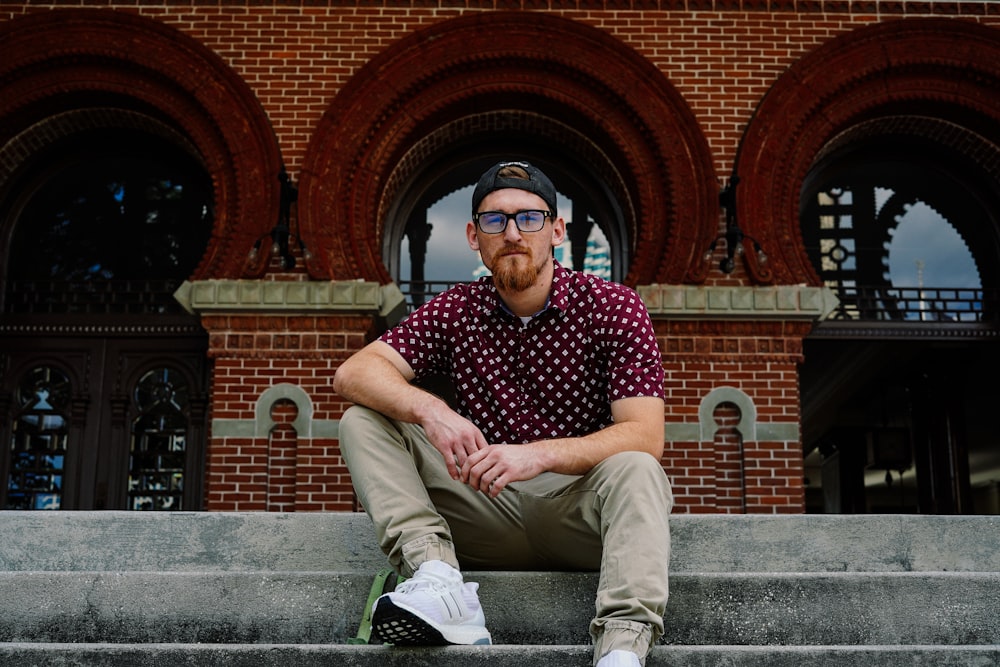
x: 495, y: 222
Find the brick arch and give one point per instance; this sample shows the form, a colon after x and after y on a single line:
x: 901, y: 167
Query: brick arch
x: 577, y: 166
x: 542, y: 64
x: 74, y: 60
x: 939, y: 69
x: 958, y: 152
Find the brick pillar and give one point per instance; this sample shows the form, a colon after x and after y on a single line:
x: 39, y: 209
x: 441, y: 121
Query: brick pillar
x: 731, y: 358
x: 275, y: 347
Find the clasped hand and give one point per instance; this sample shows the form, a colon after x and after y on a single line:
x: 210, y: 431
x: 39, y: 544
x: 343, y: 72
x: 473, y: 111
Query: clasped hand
x: 473, y: 461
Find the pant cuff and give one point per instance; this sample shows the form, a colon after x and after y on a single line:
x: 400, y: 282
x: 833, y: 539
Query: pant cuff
x: 614, y: 635
x: 423, y: 549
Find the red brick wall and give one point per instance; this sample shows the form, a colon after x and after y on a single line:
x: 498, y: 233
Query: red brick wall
x: 721, y: 55
x: 251, y: 354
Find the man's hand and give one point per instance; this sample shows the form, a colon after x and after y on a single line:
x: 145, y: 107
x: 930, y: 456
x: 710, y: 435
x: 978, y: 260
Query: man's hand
x: 638, y: 426
x: 455, y: 437
x: 491, y: 469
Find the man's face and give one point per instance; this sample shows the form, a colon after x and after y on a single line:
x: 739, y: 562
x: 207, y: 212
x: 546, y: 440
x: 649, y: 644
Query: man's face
x: 514, y: 257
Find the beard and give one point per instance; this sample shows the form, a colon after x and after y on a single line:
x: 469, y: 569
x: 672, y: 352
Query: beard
x: 515, y: 273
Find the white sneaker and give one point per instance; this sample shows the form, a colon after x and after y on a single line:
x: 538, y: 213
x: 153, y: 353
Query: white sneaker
x: 619, y: 658
x: 433, y: 608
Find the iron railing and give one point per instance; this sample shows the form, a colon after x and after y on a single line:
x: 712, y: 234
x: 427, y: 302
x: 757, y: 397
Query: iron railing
x: 92, y: 297
x: 418, y: 292
x: 856, y: 303
x: 916, y: 304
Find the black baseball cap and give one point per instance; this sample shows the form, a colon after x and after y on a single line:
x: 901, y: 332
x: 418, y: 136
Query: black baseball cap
x: 537, y: 182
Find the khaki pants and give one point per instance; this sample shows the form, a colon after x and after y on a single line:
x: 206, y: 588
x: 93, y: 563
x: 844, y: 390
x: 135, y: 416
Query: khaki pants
x: 613, y: 519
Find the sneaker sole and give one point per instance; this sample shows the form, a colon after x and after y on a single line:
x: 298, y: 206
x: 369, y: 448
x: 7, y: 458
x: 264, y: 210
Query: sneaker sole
x: 403, y: 627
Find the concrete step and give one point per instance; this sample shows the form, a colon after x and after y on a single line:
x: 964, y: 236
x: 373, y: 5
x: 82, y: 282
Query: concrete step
x: 117, y: 588
x: 188, y: 541
x: 276, y: 655
x: 521, y: 608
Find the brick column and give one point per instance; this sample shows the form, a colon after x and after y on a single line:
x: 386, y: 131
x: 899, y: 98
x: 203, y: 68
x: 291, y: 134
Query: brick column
x: 731, y: 358
x: 271, y: 343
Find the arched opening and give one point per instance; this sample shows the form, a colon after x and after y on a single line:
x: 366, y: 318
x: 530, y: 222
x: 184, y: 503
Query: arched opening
x: 593, y: 113
x: 891, y: 78
x: 64, y: 71
x: 123, y: 172
x: 859, y: 142
x: 429, y: 252
x: 903, y: 226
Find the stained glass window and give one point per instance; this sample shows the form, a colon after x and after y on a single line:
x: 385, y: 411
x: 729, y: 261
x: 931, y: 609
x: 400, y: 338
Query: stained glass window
x: 159, y: 442
x: 39, y: 441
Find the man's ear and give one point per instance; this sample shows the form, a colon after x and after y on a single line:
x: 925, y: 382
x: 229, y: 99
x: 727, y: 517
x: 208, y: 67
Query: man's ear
x: 470, y: 235
x: 558, y: 231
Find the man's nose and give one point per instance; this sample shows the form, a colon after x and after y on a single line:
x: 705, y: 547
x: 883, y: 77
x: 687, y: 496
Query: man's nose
x: 511, y: 232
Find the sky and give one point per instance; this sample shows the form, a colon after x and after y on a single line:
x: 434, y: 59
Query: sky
x: 922, y: 235
x: 449, y: 257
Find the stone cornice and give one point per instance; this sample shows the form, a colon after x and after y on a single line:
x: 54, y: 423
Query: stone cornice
x: 780, y: 302
x: 256, y: 296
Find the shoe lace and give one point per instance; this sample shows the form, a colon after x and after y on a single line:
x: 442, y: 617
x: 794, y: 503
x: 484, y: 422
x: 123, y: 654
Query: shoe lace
x: 424, y: 581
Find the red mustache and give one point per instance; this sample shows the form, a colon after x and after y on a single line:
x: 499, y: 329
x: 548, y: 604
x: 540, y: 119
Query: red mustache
x: 514, y: 250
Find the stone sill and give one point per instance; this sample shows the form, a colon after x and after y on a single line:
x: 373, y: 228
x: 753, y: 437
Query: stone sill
x: 784, y: 302
x: 349, y: 296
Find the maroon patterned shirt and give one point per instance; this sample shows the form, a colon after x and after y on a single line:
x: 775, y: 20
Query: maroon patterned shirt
x: 553, y: 377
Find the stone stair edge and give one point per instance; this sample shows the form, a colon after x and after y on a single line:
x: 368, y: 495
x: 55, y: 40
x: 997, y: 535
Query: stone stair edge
x: 344, y: 541
x: 279, y: 655
x: 233, y: 608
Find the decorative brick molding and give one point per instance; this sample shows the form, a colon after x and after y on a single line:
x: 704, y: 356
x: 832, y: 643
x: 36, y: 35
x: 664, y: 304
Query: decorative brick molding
x: 305, y: 424
x: 785, y: 302
x: 179, y: 83
x: 265, y: 319
x: 644, y: 138
x: 351, y: 296
x: 748, y: 427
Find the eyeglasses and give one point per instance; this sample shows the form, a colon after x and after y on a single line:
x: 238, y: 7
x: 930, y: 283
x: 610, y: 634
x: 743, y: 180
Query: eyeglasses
x: 495, y: 222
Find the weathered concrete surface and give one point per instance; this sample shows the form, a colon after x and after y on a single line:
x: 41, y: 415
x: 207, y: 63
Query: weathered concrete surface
x: 119, y: 588
x: 521, y: 608
x: 165, y: 541
x: 192, y: 655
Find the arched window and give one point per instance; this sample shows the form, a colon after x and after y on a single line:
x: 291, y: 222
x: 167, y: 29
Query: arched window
x: 159, y: 443
x: 39, y: 441
x: 114, y: 221
x: 900, y: 232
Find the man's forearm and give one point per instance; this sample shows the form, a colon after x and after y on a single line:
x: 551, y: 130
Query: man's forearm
x: 371, y: 380
x: 576, y: 456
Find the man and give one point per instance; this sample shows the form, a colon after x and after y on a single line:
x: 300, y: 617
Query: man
x: 550, y: 458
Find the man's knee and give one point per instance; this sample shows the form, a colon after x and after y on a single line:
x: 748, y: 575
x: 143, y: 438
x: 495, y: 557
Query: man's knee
x: 360, y: 424
x: 629, y: 464
x: 350, y: 422
x: 637, y: 474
